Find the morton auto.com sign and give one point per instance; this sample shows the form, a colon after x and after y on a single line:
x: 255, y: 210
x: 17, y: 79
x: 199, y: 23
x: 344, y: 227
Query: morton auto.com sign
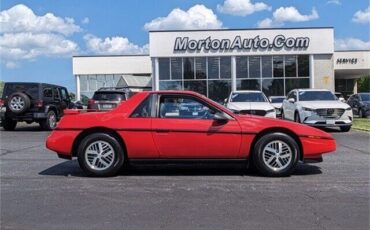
x: 239, y: 43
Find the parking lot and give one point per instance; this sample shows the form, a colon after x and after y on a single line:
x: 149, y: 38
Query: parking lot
x: 40, y: 191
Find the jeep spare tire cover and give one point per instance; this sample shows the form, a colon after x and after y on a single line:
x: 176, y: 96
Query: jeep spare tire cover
x: 18, y: 102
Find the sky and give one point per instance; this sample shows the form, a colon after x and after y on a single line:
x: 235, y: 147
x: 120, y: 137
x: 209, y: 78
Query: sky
x: 39, y: 37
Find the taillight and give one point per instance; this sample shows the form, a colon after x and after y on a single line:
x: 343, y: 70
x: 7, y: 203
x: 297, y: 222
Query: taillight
x: 39, y: 103
x: 2, y: 102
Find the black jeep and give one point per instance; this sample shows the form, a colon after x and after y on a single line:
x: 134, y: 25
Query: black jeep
x: 33, y: 102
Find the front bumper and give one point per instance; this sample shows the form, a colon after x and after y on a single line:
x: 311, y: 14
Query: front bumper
x: 313, y: 119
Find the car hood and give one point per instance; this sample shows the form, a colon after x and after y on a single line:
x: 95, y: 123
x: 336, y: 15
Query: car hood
x: 256, y: 124
x: 323, y: 104
x: 277, y: 105
x: 249, y: 105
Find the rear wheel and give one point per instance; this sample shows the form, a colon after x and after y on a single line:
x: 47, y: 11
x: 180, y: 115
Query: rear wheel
x: 276, y: 154
x: 51, y: 121
x: 100, y: 155
x: 8, y: 124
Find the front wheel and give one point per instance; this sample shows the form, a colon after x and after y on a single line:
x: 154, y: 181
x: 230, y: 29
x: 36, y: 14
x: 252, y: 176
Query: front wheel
x: 100, y: 155
x: 276, y: 154
x: 361, y: 114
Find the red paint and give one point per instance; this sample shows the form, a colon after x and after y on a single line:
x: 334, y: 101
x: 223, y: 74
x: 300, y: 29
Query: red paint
x: 183, y: 138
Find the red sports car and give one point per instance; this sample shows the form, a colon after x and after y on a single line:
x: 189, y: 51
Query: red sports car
x: 182, y: 125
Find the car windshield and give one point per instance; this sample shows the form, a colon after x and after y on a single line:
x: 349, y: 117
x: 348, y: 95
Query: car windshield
x: 109, y: 96
x: 316, y: 96
x: 277, y: 99
x: 365, y: 96
x: 248, y: 97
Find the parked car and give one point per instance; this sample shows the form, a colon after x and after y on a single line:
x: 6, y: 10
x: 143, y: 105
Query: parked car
x: 107, y: 98
x: 33, y: 102
x: 149, y: 126
x: 340, y: 96
x: 250, y: 102
x: 277, y: 102
x: 360, y: 104
x: 317, y: 107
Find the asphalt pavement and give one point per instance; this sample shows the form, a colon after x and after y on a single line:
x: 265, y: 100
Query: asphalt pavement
x: 41, y: 191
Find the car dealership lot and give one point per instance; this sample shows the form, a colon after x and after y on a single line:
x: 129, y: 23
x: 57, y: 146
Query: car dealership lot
x: 40, y: 191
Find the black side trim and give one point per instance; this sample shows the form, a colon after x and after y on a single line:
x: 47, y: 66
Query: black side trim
x: 187, y: 161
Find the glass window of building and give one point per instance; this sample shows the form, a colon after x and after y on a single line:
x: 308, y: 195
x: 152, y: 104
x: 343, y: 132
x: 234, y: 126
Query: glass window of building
x: 291, y: 66
x: 250, y: 84
x: 299, y: 83
x: 200, y: 68
x: 164, y: 68
x: 225, y: 67
x: 84, y: 83
x: 188, y: 67
x: 303, y: 66
x: 213, y: 67
x: 176, y: 68
x: 170, y: 85
x: 273, y: 87
x: 242, y: 67
x: 100, y: 81
x: 196, y: 86
x: 218, y: 90
x: 92, y: 83
x: 278, y: 63
x: 254, y: 67
x: 266, y: 66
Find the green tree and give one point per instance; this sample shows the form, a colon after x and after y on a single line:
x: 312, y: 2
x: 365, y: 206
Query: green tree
x: 1, y: 88
x: 363, y: 84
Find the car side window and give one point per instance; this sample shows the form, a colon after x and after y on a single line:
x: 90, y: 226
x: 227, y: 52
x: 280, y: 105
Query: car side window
x: 145, y: 109
x: 64, y: 94
x: 56, y: 94
x: 47, y: 92
x: 184, y: 107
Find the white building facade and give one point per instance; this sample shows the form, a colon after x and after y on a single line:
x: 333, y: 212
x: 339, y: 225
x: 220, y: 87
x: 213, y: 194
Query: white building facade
x: 215, y: 62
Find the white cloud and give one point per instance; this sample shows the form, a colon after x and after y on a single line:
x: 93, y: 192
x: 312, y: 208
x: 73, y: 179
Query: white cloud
x: 241, y: 7
x: 20, y: 18
x: 335, y: 2
x: 362, y: 16
x: 287, y: 14
x: 86, y: 20
x: 351, y: 44
x: 197, y: 17
x: 113, y: 45
x: 26, y: 36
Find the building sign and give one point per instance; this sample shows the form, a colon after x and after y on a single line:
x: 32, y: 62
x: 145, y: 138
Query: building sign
x: 239, y: 43
x: 346, y: 61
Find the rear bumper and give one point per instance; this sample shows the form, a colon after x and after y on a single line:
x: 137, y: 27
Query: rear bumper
x: 61, y: 142
x: 23, y: 117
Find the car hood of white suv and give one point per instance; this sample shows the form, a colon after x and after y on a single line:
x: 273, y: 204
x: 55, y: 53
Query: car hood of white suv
x: 323, y: 104
x: 249, y: 106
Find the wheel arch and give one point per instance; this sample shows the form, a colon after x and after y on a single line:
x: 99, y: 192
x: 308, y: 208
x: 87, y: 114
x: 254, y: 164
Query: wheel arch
x: 89, y: 131
x: 276, y: 130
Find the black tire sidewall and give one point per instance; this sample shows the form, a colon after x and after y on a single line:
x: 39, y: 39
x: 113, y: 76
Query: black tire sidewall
x: 45, y: 124
x: 258, y: 154
x: 25, y: 98
x: 118, y: 157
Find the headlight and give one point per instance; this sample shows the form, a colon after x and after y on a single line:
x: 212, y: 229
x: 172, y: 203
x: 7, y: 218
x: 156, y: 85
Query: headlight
x: 308, y: 109
x: 270, y: 111
x: 349, y: 109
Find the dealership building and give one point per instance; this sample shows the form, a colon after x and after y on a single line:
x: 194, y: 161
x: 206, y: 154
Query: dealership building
x: 216, y: 62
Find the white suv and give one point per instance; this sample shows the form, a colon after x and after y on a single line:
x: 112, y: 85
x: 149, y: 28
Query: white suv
x: 317, y: 107
x: 250, y: 102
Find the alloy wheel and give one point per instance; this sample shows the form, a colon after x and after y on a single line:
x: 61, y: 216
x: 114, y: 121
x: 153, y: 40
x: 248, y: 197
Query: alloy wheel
x: 277, y: 155
x: 17, y: 103
x: 99, y: 155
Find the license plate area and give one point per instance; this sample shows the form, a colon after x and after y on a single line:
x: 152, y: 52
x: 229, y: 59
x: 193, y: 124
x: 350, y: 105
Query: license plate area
x: 330, y: 122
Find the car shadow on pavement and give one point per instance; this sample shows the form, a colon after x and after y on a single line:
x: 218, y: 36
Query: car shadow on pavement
x: 71, y: 168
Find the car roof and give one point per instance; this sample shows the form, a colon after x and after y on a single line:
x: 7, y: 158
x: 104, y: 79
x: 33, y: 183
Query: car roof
x: 313, y: 90
x: 35, y: 83
x: 247, y: 91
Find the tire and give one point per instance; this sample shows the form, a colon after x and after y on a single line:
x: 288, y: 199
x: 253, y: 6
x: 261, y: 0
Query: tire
x: 100, y: 165
x: 297, y: 118
x: 18, y: 103
x: 8, y: 124
x: 361, y: 114
x: 345, y: 128
x: 271, y: 163
x: 50, y: 122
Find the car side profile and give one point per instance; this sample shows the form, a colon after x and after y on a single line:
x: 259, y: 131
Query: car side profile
x: 183, y: 125
x: 360, y: 104
x: 250, y: 102
x: 317, y: 107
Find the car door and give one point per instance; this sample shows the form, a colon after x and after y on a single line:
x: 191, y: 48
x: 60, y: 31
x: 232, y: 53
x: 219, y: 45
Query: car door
x: 184, y: 128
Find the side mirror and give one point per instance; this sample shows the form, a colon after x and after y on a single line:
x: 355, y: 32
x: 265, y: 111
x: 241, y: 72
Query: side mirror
x: 220, y: 117
x: 291, y: 100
